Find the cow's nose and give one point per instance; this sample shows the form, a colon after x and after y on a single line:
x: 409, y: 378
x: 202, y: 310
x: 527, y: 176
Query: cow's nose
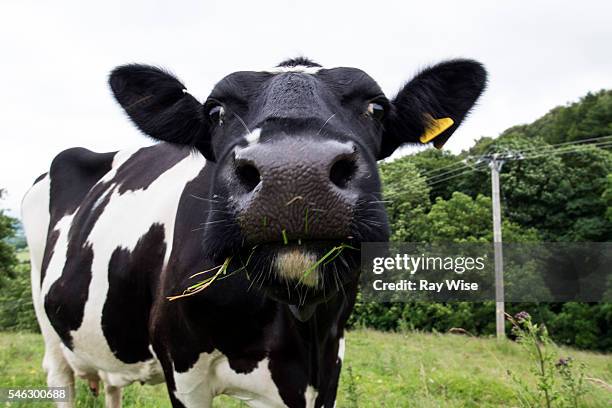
x: 296, y: 188
x: 319, y: 163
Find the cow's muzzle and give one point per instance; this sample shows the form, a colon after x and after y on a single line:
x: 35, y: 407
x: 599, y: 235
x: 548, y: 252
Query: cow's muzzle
x: 295, y: 189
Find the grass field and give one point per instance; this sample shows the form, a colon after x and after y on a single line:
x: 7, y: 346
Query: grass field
x: 380, y: 370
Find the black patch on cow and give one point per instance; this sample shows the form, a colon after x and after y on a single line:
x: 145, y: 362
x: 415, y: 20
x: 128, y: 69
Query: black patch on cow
x: 65, y: 301
x: 131, y: 279
x: 42, y: 176
x: 307, y: 354
x: 298, y: 61
x: 184, y: 259
x: 73, y: 173
x: 146, y: 165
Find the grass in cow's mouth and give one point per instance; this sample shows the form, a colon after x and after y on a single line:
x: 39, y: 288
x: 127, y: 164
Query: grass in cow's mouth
x: 200, y: 286
x: 330, y: 256
x: 222, y: 270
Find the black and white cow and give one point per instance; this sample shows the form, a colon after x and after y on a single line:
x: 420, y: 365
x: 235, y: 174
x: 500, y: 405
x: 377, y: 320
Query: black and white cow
x: 271, y: 172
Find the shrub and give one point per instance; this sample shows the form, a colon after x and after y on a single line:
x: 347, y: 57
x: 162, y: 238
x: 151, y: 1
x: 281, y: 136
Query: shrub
x: 16, y: 309
x: 582, y: 325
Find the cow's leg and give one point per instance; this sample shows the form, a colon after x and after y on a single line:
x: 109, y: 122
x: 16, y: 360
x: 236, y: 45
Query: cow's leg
x: 198, y: 397
x: 112, y: 396
x: 59, y: 373
x: 184, y: 390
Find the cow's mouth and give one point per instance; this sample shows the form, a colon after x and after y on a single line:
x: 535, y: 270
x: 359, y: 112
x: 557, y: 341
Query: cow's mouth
x: 301, y: 272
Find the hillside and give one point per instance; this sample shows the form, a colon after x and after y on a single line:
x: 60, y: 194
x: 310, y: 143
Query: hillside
x: 587, y: 118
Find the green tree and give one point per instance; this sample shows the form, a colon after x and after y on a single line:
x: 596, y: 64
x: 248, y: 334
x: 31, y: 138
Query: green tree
x: 607, y: 197
x: 466, y: 219
x: 16, y: 310
x: 8, y: 260
x: 558, y: 191
x: 590, y: 117
x: 407, y: 199
x: 435, y: 165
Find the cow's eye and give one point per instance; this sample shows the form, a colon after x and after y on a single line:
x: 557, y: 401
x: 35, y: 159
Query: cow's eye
x: 216, y: 114
x: 375, y: 110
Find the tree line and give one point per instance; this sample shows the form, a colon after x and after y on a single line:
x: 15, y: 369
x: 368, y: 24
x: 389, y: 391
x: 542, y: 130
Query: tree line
x: 560, y: 191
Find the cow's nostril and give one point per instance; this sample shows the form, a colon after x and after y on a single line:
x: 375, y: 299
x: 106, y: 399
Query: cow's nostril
x: 342, y: 171
x: 248, y: 175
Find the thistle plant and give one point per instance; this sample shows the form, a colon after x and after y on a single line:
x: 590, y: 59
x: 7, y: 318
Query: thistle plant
x: 572, y: 376
x: 559, y: 381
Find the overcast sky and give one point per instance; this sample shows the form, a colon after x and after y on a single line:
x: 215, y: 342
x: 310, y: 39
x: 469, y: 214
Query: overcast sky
x: 55, y: 57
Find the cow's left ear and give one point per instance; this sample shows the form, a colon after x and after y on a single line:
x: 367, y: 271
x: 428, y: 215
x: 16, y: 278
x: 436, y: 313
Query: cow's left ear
x: 159, y: 105
x: 433, y: 104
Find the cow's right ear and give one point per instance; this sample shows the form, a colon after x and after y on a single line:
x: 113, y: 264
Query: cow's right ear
x: 159, y: 105
x: 433, y: 104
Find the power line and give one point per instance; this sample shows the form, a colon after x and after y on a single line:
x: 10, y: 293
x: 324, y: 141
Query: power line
x: 464, y: 162
x: 445, y: 173
x: 435, y: 180
x: 457, y: 163
x: 575, y: 142
x: 568, y: 149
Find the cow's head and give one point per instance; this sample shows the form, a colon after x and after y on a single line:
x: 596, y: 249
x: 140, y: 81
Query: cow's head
x: 296, y: 187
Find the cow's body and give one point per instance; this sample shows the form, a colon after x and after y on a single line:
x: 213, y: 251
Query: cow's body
x: 282, y: 191
x: 122, y: 236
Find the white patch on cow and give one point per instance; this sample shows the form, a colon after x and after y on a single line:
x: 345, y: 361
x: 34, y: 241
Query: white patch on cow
x: 35, y: 216
x: 212, y: 375
x: 121, y: 156
x: 341, y: 345
x: 56, y: 264
x: 297, y: 264
x: 310, y: 396
x: 253, y: 137
x: 296, y: 68
x: 101, y: 198
x: 125, y: 219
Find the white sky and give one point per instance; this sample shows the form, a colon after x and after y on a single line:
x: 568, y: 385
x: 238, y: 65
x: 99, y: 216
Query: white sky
x: 55, y: 57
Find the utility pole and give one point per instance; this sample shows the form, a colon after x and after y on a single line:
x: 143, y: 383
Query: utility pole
x: 496, y: 164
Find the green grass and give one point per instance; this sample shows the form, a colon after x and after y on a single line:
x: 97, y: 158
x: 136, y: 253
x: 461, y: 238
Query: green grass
x: 386, y: 370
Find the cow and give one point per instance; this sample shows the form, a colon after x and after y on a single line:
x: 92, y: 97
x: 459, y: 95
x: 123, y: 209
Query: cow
x: 225, y: 259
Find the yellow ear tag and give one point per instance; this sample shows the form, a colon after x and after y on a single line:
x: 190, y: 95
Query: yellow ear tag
x: 437, y: 127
